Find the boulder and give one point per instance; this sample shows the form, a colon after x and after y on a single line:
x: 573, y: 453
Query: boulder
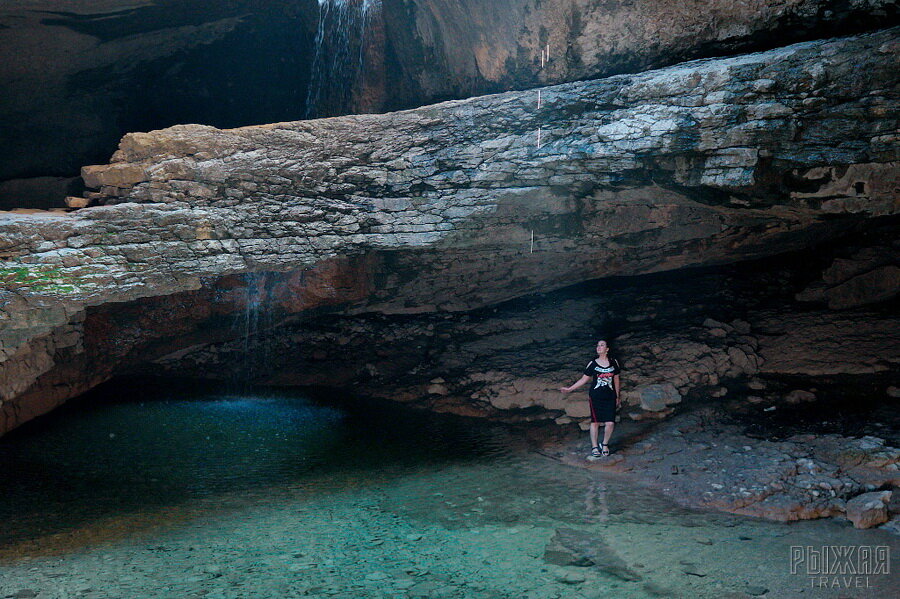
x: 656, y: 397
x: 800, y: 396
x: 869, y: 509
x: 877, y: 285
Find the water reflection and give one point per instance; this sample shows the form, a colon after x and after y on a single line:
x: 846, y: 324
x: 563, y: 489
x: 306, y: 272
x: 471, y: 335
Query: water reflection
x: 130, y: 446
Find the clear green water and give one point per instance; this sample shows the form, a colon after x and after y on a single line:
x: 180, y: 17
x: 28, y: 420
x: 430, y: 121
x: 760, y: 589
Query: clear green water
x: 140, y: 492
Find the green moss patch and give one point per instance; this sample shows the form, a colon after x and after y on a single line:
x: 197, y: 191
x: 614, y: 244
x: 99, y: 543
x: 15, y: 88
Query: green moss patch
x: 41, y: 278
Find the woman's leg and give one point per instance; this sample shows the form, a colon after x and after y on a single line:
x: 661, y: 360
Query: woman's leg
x: 607, y: 431
x: 595, y: 430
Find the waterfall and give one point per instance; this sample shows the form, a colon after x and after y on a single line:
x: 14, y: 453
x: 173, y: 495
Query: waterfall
x: 251, y: 324
x: 339, y: 53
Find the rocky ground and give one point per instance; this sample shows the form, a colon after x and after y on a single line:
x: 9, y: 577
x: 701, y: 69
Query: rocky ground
x: 796, y: 457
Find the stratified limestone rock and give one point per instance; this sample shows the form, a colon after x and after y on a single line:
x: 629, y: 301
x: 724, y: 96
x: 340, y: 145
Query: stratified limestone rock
x: 877, y: 285
x: 448, y: 49
x: 75, y: 73
x: 446, y: 208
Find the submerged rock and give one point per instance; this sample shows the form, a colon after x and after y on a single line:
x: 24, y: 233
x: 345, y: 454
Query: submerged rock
x: 570, y: 547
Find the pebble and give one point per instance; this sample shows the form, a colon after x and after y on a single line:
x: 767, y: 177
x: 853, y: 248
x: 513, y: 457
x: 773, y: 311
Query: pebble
x: 656, y: 590
x: 756, y: 591
x: 403, y: 584
x: 570, y: 577
x: 417, y: 571
x: 376, y: 576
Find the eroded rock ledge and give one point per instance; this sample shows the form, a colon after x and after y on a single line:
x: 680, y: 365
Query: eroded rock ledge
x: 678, y: 335
x: 446, y: 208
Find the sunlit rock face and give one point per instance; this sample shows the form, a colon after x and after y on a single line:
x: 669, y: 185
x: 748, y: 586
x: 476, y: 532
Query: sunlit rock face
x: 77, y: 76
x: 448, y: 49
x: 446, y: 208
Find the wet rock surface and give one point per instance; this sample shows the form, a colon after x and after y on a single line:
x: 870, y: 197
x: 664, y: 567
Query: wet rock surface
x: 730, y: 458
x: 458, y: 50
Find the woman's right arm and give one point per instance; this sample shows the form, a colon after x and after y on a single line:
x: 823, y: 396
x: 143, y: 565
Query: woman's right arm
x: 584, y: 378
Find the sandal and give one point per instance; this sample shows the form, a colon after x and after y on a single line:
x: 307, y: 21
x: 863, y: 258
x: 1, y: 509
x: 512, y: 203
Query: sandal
x: 595, y: 452
x: 604, y: 450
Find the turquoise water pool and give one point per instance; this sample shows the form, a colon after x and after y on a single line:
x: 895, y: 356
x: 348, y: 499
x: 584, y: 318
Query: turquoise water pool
x: 140, y: 491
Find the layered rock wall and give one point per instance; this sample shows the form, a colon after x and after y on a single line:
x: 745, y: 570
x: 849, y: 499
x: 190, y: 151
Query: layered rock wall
x: 448, y: 207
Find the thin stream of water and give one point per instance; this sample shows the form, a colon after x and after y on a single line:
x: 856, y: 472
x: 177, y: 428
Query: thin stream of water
x: 339, y: 53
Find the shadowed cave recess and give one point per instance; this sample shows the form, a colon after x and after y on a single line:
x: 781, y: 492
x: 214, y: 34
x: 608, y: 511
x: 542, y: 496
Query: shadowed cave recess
x: 712, y: 187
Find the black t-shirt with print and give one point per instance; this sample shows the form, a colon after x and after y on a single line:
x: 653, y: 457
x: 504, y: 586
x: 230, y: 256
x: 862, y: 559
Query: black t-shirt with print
x: 602, y: 378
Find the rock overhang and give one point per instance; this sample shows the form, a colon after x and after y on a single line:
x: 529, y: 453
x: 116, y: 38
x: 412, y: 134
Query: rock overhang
x: 456, y: 206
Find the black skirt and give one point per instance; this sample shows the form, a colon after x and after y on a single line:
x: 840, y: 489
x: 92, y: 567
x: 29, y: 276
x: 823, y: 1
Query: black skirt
x: 603, y: 407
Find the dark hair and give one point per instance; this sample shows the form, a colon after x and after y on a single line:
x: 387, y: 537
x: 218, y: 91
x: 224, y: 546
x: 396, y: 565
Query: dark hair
x: 610, y: 354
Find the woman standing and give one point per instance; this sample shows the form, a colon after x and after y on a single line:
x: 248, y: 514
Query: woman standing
x: 603, y: 374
